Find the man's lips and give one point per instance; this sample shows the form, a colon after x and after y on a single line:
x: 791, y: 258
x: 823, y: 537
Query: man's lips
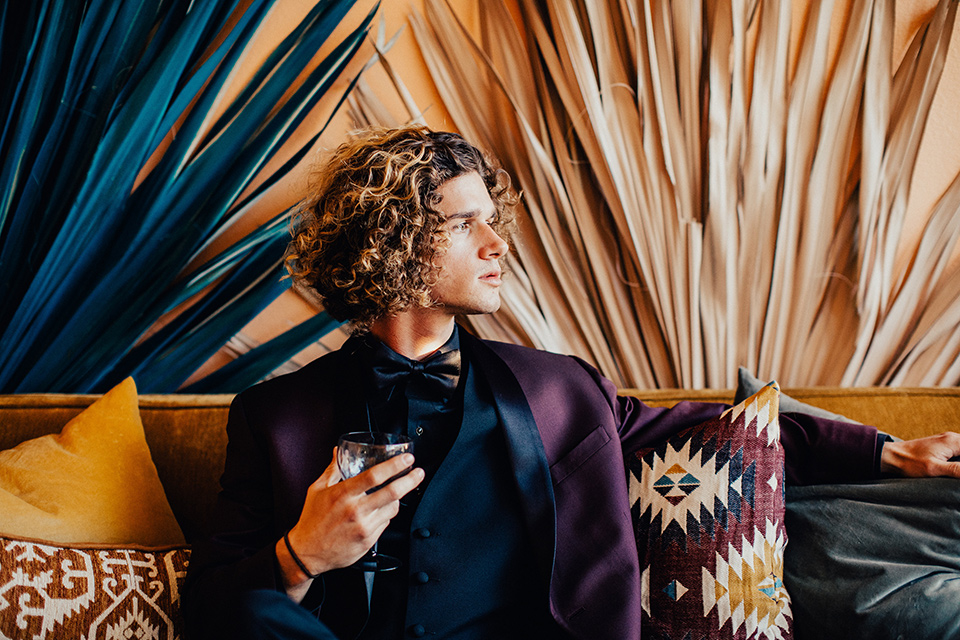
x: 493, y: 277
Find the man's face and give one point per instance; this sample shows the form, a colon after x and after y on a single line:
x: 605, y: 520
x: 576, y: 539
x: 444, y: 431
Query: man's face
x: 469, y: 279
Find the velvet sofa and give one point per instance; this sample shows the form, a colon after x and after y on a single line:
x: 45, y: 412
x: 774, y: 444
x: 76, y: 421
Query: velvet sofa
x: 186, y: 439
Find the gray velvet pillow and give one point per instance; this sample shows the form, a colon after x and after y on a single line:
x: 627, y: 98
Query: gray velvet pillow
x: 748, y: 384
x: 878, y: 560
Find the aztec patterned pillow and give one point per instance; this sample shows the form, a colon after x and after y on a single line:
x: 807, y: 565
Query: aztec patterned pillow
x: 98, y: 594
x: 708, y: 508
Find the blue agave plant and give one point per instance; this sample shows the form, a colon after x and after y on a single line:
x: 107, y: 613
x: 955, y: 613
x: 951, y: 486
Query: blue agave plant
x: 90, y: 258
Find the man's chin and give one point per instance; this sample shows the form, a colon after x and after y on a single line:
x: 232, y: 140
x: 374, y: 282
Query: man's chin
x: 480, y: 310
x: 493, y: 307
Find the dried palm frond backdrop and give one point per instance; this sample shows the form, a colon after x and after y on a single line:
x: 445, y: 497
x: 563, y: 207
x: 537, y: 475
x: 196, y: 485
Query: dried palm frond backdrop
x: 696, y: 197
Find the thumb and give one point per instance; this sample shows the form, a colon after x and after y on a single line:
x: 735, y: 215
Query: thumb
x: 949, y: 469
x: 331, y: 475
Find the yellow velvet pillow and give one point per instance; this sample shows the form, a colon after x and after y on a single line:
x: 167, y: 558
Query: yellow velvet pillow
x: 93, y: 483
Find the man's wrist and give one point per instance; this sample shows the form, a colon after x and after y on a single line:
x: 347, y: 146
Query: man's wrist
x: 296, y: 579
x: 296, y: 559
x: 885, y: 458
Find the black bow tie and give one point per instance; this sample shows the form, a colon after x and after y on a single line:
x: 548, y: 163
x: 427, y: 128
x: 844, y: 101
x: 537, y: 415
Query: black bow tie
x: 436, y: 376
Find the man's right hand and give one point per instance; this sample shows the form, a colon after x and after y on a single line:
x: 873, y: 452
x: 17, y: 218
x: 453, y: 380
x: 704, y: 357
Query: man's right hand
x: 340, y: 521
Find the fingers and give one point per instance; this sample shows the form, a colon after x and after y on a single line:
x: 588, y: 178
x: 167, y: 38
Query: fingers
x: 949, y: 469
x: 382, y: 473
x: 378, y: 486
x: 923, y: 457
x: 950, y: 448
x: 395, y: 489
x: 951, y: 440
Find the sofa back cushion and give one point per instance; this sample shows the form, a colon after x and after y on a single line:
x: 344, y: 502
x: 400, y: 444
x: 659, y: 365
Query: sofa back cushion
x: 902, y: 412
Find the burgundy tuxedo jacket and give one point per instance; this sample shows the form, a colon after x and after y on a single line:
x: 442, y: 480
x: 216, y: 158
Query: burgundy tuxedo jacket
x: 567, y: 432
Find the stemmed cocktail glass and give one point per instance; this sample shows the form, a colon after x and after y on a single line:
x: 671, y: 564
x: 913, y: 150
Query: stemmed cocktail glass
x: 357, y: 452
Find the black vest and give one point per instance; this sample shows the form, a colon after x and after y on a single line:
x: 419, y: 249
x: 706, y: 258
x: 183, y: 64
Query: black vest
x: 469, y: 571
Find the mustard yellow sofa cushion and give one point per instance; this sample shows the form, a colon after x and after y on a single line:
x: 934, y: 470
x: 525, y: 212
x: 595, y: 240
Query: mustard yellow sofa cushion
x: 92, y: 483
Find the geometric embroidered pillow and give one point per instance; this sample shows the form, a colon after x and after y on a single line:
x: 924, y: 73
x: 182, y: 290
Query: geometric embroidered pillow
x: 49, y: 592
x: 708, y: 511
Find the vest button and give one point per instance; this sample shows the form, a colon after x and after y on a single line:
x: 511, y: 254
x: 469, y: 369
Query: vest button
x: 421, y: 577
x: 419, y: 430
x: 423, y: 533
x: 417, y: 631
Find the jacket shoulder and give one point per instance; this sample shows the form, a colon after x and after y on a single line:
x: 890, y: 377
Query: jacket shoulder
x: 544, y: 374
x: 520, y: 352
x: 523, y: 359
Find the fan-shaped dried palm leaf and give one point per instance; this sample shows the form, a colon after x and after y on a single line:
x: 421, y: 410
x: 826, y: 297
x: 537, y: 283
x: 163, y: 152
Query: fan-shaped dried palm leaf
x: 691, y: 204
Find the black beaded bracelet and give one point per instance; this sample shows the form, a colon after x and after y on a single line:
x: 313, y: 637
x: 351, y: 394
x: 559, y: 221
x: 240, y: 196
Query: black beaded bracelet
x: 296, y: 558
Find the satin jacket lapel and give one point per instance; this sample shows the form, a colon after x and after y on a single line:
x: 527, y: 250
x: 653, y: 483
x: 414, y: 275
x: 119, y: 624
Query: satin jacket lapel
x: 525, y: 447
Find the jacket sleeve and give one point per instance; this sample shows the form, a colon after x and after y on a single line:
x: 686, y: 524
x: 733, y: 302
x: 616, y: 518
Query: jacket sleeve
x: 238, y: 556
x: 817, y: 450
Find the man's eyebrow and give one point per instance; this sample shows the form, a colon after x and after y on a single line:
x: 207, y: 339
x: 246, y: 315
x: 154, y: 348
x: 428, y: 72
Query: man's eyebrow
x: 472, y: 213
x: 463, y: 215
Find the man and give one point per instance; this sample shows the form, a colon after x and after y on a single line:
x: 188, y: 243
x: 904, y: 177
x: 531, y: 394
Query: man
x: 515, y: 521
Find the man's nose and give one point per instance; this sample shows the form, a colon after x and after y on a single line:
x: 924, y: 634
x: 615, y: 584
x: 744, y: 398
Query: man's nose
x: 495, y: 246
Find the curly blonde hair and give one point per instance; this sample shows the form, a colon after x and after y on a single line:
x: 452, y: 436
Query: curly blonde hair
x: 367, y: 238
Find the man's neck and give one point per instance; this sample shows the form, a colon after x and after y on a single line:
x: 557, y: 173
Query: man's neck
x: 415, y: 333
